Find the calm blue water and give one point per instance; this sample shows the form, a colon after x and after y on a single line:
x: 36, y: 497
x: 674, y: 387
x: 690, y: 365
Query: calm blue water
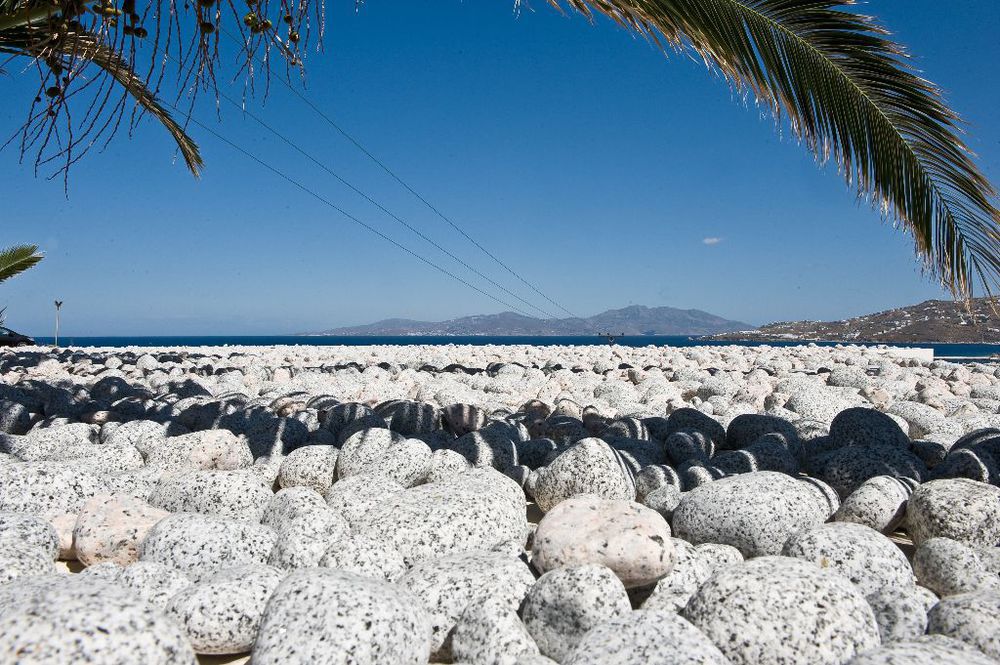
x: 940, y: 350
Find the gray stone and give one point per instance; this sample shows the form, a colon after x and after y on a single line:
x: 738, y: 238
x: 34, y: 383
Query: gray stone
x: 664, y: 500
x: 924, y: 650
x: 931, y: 512
x: 473, y: 511
x: 694, y: 420
x: 590, y: 466
x: 303, y: 541
x: 690, y: 571
x: 364, y: 556
x: 866, y: 427
x: 901, y: 612
x: 333, y: 616
x: 630, y: 539
x: 448, y: 585
x: 862, y: 555
x: 446, y: 464
x: 46, y: 489
x: 357, y: 496
x: 209, y: 449
x: 238, y: 495
x: 755, y: 512
x: 878, y: 503
x: 22, y: 558
x: 718, y: 556
x: 221, y: 614
x: 973, y: 618
x: 490, y: 632
x: 199, y: 545
x: 653, y: 478
x: 153, y: 582
x: 288, y: 504
x: 383, y: 452
x: 646, y: 637
x: 948, y: 567
x: 685, y: 445
x: 78, y: 620
x: 488, y: 447
x: 779, y: 610
x: 566, y: 603
x: 747, y: 428
x: 14, y: 418
x: 31, y: 530
x: 845, y: 469
x: 309, y: 466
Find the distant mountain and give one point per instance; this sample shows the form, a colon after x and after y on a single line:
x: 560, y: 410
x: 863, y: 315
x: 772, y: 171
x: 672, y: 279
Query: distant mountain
x: 938, y: 321
x: 632, y: 320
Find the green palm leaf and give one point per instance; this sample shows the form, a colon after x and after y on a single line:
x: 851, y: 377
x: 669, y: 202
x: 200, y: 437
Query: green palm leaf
x: 17, y: 259
x: 850, y: 95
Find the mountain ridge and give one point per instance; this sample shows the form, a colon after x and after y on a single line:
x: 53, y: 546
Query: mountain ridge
x: 931, y: 321
x: 630, y: 320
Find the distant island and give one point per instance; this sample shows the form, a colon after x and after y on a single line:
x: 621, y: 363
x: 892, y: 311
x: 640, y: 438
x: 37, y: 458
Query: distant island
x: 933, y: 321
x: 632, y: 320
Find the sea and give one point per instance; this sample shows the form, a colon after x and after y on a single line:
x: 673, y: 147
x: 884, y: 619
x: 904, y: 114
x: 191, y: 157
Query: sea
x: 952, y: 351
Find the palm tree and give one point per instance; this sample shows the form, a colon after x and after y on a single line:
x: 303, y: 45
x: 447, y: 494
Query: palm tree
x: 845, y: 89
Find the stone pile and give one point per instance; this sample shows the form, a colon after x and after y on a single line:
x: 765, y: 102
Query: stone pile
x: 498, y: 506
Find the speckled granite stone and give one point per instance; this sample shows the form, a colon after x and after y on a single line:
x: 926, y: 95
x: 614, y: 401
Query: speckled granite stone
x: 948, y: 567
x: 747, y: 428
x: 287, y: 504
x: 198, y: 545
x: 362, y: 450
x: 309, y: 466
x: 238, y: 495
x: 566, y: 603
x: 663, y: 500
x: 110, y: 528
x: 931, y: 512
x: 153, y: 582
x: 590, y: 466
x: 473, y: 511
x: 446, y: 586
x: 109, y: 571
x: 862, y: 555
x: 630, y: 539
x: 776, y: 610
x: 358, y: 496
x: 208, y: 449
x: 924, y: 650
x: 901, y: 612
x: 845, y: 469
x: 866, y: 427
x: 29, y: 529
x: 490, y: 631
x: 689, y: 572
x: 302, y: 541
x: 22, y: 558
x: 87, y: 621
x: 718, y: 556
x: 46, y: 489
x: 754, y: 512
x: 333, y: 616
x: 654, y: 477
x: 364, y: 556
x: 878, y: 503
x: 694, y: 420
x: 973, y: 618
x: 221, y: 614
x: 488, y: 447
x: 445, y: 464
x: 646, y: 637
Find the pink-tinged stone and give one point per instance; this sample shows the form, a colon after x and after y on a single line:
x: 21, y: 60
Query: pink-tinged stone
x: 630, y: 539
x: 110, y: 528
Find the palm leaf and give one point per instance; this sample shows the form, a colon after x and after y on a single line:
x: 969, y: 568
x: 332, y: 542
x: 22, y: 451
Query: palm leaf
x: 17, y: 259
x: 89, y: 47
x: 850, y: 95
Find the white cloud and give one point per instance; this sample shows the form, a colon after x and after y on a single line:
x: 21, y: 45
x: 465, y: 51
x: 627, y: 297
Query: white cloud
x: 712, y: 241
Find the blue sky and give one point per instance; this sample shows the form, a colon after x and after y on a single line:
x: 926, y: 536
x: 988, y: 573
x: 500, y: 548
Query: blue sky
x: 591, y: 163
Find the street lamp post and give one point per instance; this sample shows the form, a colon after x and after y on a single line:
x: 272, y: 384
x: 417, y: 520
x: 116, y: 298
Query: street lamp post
x: 59, y: 304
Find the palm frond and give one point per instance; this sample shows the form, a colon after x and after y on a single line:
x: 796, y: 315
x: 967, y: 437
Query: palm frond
x: 17, y: 259
x: 92, y: 49
x: 849, y: 94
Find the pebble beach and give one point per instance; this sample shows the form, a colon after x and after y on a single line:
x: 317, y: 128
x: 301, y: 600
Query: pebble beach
x: 498, y: 505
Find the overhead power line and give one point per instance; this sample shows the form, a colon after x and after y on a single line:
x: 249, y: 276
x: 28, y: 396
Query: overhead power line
x: 242, y: 108
x: 392, y: 174
x: 332, y: 205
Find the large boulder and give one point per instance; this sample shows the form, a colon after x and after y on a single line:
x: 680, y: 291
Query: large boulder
x: 931, y: 512
x: 590, y: 466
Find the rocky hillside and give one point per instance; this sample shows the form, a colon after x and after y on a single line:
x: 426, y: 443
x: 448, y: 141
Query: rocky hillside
x: 939, y: 321
x: 633, y: 320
